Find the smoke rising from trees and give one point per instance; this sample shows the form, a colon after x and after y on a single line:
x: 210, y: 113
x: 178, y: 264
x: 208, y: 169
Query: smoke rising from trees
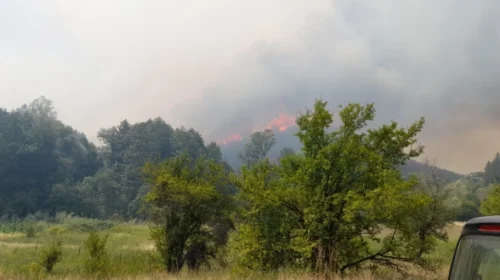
x: 222, y: 67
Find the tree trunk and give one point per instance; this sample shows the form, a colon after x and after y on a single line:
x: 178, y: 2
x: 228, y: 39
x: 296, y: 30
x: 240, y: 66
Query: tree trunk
x: 327, y: 261
x: 175, y: 262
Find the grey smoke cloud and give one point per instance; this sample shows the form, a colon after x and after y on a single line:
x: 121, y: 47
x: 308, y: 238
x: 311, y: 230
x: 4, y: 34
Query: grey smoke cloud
x: 437, y: 59
x: 227, y: 66
x: 104, y: 61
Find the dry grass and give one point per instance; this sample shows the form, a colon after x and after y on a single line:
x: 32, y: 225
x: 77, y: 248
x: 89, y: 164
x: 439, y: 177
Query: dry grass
x: 228, y: 276
x: 28, y: 245
x: 132, y: 252
x: 4, y: 236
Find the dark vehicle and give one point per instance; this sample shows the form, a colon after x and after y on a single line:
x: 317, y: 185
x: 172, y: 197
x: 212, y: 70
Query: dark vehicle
x: 477, y: 255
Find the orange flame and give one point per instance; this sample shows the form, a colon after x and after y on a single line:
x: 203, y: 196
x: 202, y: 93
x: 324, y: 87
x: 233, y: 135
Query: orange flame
x: 230, y: 138
x: 281, y: 123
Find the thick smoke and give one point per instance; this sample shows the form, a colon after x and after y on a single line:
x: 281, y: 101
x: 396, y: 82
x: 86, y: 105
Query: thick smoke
x: 227, y: 66
x: 437, y: 59
x: 104, y: 61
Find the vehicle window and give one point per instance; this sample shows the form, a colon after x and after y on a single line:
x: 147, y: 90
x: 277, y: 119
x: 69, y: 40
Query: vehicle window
x: 477, y: 258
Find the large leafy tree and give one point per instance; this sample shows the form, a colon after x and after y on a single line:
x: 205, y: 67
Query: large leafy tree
x: 189, y: 141
x: 322, y: 208
x: 127, y: 147
x: 258, y: 147
x: 427, y: 223
x: 190, y: 217
x: 134, y: 144
x: 120, y: 187
x: 38, y: 155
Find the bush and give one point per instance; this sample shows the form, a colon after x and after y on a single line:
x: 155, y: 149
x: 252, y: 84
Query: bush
x: 51, y: 255
x: 97, y: 259
x: 79, y: 224
x: 30, y: 231
x: 56, y: 230
x: 35, y: 270
x: 13, y: 226
x: 29, y: 225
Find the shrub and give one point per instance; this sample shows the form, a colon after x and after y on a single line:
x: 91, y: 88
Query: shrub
x: 79, y: 224
x: 97, y: 259
x: 13, y: 226
x: 35, y: 270
x: 30, y: 231
x: 56, y: 230
x: 51, y: 255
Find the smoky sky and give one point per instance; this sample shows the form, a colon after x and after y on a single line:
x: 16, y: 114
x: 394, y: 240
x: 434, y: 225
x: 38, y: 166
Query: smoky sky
x: 227, y: 67
x: 432, y: 59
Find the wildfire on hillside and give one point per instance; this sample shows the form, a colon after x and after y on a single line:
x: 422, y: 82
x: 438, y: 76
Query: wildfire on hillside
x: 230, y: 138
x: 280, y: 123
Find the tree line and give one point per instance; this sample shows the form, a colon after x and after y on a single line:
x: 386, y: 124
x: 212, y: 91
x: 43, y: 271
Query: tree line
x: 321, y: 208
x: 46, y: 166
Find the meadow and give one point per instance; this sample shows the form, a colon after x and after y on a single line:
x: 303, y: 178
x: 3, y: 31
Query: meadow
x: 131, y: 252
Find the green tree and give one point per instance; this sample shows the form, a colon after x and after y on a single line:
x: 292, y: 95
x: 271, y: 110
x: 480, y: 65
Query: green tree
x: 97, y: 258
x: 467, y: 194
x: 213, y: 152
x: 39, y: 152
x: 426, y: 224
x: 321, y: 209
x: 189, y: 216
x: 491, y: 205
x: 286, y: 152
x: 258, y: 147
x: 117, y: 187
x: 51, y: 254
x: 106, y: 192
x: 189, y: 141
x: 492, y: 170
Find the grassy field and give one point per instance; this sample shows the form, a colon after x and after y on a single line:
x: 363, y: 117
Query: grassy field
x: 132, y: 254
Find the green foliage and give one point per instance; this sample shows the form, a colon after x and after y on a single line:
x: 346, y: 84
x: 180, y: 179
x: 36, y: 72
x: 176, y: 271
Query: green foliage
x: 189, y: 216
x: 27, y: 226
x: 49, y: 167
x: 30, y: 231
x: 51, y: 255
x: 258, y: 147
x: 36, y: 270
x: 118, y: 188
x: 97, y: 258
x: 412, y: 167
x: 466, y: 196
x: 322, y: 208
x: 491, y: 206
x: 492, y: 170
x: 39, y: 152
x: 468, y: 209
x: 190, y: 142
x: 335, y: 205
x: 286, y: 152
x: 131, y: 257
x: 80, y: 224
x: 426, y: 224
x: 129, y: 250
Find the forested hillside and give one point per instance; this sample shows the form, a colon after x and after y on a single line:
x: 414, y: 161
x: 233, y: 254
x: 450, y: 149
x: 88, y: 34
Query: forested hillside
x: 415, y: 167
x: 47, y: 166
x: 287, y: 141
x: 273, y: 201
x: 42, y: 161
x: 50, y: 167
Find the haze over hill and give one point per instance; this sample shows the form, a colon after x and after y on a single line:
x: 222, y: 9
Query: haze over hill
x: 232, y: 147
x: 228, y: 68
